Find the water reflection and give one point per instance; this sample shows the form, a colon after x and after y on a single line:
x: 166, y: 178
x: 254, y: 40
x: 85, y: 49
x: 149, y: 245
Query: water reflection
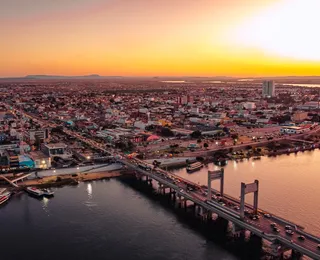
x: 288, y: 184
x: 235, y: 165
x: 89, y: 190
x: 45, y: 203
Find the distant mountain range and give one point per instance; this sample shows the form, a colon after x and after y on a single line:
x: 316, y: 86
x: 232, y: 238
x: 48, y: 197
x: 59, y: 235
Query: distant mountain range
x: 92, y: 76
x: 282, y: 79
x: 67, y: 77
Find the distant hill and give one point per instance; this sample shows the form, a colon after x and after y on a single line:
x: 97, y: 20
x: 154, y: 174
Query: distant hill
x: 44, y: 77
x: 283, y: 79
x: 60, y: 77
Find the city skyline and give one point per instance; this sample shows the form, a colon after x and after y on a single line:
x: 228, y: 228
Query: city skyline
x: 159, y: 38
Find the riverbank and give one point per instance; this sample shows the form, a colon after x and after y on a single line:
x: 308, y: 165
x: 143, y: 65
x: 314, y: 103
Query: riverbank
x: 67, y: 179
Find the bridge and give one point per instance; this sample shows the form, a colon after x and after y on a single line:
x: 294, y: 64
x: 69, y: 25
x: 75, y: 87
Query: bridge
x: 242, y: 215
x: 209, y: 201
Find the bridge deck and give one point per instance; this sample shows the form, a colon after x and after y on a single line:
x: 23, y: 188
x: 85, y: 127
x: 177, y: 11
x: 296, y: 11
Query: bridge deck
x: 259, y: 227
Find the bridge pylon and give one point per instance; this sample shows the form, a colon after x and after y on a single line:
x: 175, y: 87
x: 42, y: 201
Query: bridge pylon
x: 249, y: 188
x: 215, y: 175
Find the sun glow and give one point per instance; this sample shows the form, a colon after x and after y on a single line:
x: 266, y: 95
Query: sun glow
x: 287, y: 29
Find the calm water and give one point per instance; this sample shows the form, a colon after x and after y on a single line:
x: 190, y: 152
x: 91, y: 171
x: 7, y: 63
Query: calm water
x: 98, y: 220
x: 305, y: 85
x: 289, y: 185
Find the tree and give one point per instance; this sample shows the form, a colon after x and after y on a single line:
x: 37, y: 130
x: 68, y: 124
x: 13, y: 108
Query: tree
x: 166, y: 132
x: 156, y: 163
x: 196, y: 134
x: 149, y: 127
x: 234, y: 136
x: 205, y: 145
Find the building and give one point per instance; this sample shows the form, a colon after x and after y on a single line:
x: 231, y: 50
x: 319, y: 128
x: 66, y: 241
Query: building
x: 299, y: 116
x: 249, y: 105
x: 13, y: 159
x: 56, y: 150
x: 268, y: 88
x: 37, y: 135
x: 25, y: 162
x: 4, y: 160
x: 291, y: 130
x: 41, y: 160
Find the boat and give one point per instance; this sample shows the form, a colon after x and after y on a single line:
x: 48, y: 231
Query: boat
x: 4, y: 197
x: 194, y: 166
x: 34, y: 191
x: 220, y: 162
x: 48, y: 192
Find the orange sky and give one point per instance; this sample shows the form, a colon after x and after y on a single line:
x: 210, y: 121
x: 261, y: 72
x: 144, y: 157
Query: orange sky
x: 159, y: 37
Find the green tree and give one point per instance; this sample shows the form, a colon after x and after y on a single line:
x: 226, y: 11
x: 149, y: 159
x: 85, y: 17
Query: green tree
x: 196, y: 134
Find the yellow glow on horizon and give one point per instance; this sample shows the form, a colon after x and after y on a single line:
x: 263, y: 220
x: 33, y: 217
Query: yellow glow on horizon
x: 161, y: 38
x: 285, y: 29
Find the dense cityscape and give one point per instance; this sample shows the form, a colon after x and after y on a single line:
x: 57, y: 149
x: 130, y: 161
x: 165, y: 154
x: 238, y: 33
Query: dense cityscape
x: 163, y: 130
x: 56, y: 133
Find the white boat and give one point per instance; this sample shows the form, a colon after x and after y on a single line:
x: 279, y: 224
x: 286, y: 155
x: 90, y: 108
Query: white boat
x: 48, y: 192
x: 194, y: 167
x: 34, y: 191
x: 4, y: 197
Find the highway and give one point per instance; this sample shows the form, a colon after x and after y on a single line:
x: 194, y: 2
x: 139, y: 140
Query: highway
x: 261, y: 227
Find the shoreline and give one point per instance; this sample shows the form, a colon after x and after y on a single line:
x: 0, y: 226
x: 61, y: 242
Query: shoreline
x: 280, y: 152
x: 65, y: 179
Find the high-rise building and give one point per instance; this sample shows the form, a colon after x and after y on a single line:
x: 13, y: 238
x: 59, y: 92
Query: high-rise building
x: 268, y: 88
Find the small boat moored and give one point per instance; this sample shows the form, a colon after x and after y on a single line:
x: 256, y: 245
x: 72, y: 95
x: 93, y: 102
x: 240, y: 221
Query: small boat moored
x: 48, y: 192
x: 194, y: 166
x: 34, y: 191
x: 4, y: 197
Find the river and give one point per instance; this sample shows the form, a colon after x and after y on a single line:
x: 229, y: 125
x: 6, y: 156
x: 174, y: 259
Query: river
x: 99, y: 220
x: 288, y: 185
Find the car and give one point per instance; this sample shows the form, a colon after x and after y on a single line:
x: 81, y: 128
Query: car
x: 318, y: 246
x: 301, y: 237
x: 287, y: 227
x: 277, y: 230
x: 181, y: 190
x: 273, y: 224
x: 289, y: 232
x: 267, y: 215
x: 236, y: 207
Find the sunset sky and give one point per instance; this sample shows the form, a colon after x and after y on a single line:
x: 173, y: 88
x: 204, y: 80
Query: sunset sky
x: 160, y: 37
